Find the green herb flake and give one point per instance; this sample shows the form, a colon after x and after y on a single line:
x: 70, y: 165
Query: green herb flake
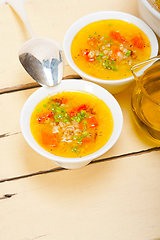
x: 78, y: 119
x: 113, y: 68
x: 128, y: 53
x: 39, y: 110
x: 108, y: 64
x: 58, y: 104
x: 99, y: 58
x: 58, y: 111
x: 65, y: 120
x: 85, y: 134
x: 101, y: 54
x: 66, y: 115
x: 75, y: 149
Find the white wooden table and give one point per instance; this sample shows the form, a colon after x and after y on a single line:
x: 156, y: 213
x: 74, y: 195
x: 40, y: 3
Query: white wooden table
x: 116, y: 197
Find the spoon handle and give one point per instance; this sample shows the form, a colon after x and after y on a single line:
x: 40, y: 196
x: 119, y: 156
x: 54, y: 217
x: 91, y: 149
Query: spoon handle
x: 19, y: 8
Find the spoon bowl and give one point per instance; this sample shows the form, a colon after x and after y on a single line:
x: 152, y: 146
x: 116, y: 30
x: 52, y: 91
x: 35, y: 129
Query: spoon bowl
x: 41, y: 57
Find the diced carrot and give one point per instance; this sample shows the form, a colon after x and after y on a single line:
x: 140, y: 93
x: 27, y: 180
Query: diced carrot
x: 44, y: 116
x: 64, y: 100
x: 81, y: 125
x: 86, y: 140
x: 138, y: 42
x: 83, y: 107
x: 114, y: 54
x: 49, y: 139
x: 91, y: 41
x: 118, y: 37
x: 73, y: 112
x: 92, y: 122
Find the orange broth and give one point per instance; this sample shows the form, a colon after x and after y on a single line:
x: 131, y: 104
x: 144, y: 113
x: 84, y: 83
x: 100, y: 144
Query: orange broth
x: 71, y: 124
x: 107, y: 49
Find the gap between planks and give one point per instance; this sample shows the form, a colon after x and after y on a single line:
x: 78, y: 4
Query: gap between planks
x: 60, y: 169
x: 31, y: 85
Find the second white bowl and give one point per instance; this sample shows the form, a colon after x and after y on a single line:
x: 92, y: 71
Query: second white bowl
x: 113, y: 86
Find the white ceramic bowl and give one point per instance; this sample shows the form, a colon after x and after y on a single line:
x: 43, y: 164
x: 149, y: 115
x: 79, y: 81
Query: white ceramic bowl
x: 149, y: 15
x: 75, y: 85
x: 113, y: 86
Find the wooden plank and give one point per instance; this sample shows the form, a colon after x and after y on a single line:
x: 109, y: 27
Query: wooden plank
x: 113, y: 200
x: 31, y: 85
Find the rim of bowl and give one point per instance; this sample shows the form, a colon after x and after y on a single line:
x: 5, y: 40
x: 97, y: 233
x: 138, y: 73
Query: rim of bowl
x: 150, y: 8
x: 71, y: 85
x: 97, y: 16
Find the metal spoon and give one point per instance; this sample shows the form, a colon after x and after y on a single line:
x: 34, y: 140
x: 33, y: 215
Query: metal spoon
x: 41, y: 57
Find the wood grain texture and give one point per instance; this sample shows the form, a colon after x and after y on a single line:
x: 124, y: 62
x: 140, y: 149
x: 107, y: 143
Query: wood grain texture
x: 31, y: 85
x: 113, y: 200
x: 59, y: 169
x: 115, y: 197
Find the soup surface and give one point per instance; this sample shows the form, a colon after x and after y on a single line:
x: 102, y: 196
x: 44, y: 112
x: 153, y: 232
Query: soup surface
x: 107, y: 49
x: 71, y: 124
